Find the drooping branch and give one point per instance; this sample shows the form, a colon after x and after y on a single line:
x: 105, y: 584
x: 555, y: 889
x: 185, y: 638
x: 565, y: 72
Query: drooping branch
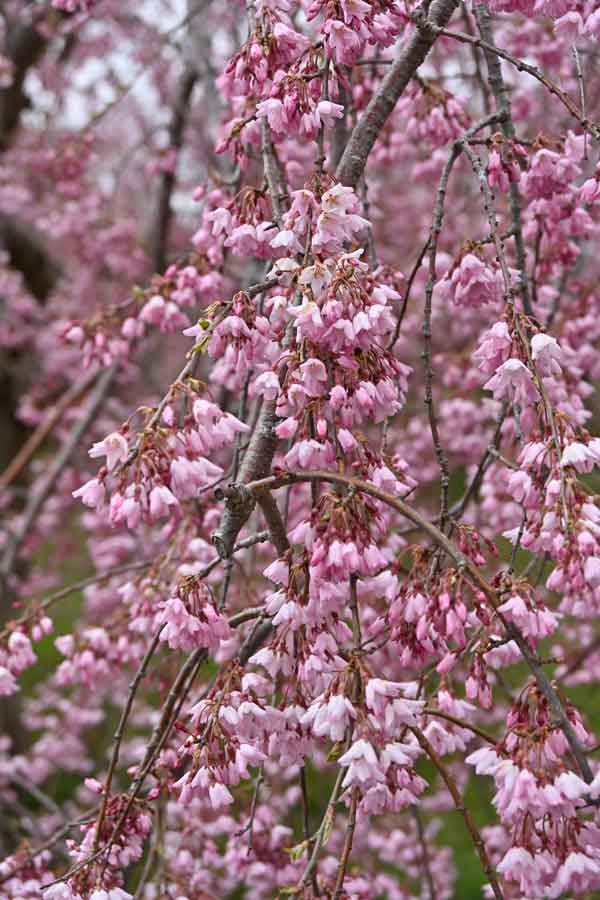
x: 500, y: 91
x: 37, y: 437
x: 464, y: 565
x: 432, y: 244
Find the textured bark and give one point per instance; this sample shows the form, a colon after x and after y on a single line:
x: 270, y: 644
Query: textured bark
x: 239, y: 503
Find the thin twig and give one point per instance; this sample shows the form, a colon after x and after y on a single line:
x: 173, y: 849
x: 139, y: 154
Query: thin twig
x: 501, y: 96
x: 522, y: 66
x: 51, y: 599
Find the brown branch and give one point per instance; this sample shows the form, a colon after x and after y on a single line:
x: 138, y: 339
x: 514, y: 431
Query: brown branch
x: 139, y: 675
x: 407, y: 290
x: 252, y: 291
x: 24, y: 46
x: 347, y: 849
x: 412, y: 54
x: 424, y: 852
x: 28, y: 255
x: 428, y: 711
x: 51, y: 599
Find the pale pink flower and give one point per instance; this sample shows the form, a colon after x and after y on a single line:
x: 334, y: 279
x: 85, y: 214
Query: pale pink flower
x: 161, y: 499
x: 363, y: 766
x: 328, y: 112
x: 547, y: 354
x: 313, y: 375
x: 92, y: 493
x: 592, y: 571
x: 582, y: 457
x: 494, y: 348
x: 220, y: 796
x: 114, y: 447
x: 8, y: 684
x: 517, y: 864
x: 273, y: 111
x: 579, y: 873
x: 513, y: 382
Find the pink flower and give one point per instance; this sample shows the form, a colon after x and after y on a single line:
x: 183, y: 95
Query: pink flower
x: 328, y: 111
x: 474, y: 284
x: 582, y: 457
x: 494, y: 348
x: 589, y: 191
x: 592, y: 25
x: 329, y: 719
x: 485, y: 760
x: 313, y: 375
x: 517, y: 865
x: 161, y: 499
x: 75, y: 335
x: 8, y: 684
x: 571, y: 786
x: 273, y: 111
x: 592, y: 571
x: 347, y: 440
x: 579, y: 874
x: 92, y: 493
x: 513, y: 382
x: 221, y: 220
x: 546, y: 353
x: 383, y: 698
x: 363, y: 766
x: 114, y: 447
x: 266, y: 385
x: 288, y: 240
x: 245, y: 756
x: 342, y: 41
x: 220, y: 796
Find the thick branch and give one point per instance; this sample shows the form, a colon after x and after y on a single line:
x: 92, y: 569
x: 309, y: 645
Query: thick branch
x: 24, y: 46
x: 164, y: 212
x: 255, y: 465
